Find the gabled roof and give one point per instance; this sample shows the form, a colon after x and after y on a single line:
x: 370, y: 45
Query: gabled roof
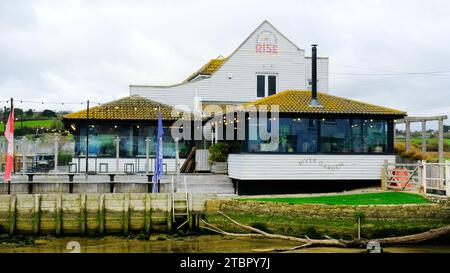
x: 298, y: 101
x: 208, y: 69
x: 128, y: 108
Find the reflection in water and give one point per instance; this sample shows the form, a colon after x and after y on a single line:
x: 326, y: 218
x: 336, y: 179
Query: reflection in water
x: 204, y: 243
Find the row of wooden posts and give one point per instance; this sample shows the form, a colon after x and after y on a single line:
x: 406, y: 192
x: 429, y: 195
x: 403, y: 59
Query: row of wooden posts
x: 408, y: 120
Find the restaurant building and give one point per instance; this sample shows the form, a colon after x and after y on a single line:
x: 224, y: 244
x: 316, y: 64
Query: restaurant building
x: 320, y: 137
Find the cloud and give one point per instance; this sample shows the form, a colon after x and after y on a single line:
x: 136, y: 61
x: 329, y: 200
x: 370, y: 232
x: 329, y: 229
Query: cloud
x: 79, y: 50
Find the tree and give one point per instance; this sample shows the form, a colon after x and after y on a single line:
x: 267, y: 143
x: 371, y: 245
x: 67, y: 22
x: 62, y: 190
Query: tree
x: 446, y: 128
x: 48, y: 113
x: 29, y: 113
x: 18, y: 112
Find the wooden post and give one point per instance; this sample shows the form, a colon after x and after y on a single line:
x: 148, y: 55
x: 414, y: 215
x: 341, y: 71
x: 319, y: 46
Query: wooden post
x: 447, y: 178
x: 101, y: 214
x: 407, y: 134
x: 424, y: 176
x: 441, y: 139
x: 56, y: 142
x: 37, y: 210
x: 169, y: 213
x: 383, y: 176
x: 424, y: 141
x: 82, y: 213
x: 58, y: 214
x: 12, y: 214
x: 147, y: 223
x: 126, y: 214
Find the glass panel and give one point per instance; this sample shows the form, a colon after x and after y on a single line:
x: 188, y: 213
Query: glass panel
x: 356, y: 128
x: 375, y: 136
x: 260, y: 82
x: 272, y: 85
x: 297, y: 135
x: 335, y: 135
x: 132, y: 141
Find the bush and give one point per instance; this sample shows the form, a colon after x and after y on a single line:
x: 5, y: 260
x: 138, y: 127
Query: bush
x: 64, y: 159
x: 219, y: 152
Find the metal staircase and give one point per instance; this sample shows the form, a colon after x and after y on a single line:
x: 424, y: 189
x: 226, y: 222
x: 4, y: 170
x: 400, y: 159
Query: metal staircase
x: 180, y: 205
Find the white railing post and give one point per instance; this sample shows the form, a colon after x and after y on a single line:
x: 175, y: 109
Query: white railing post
x: 23, y: 154
x: 117, y: 153
x: 447, y: 178
x: 424, y: 177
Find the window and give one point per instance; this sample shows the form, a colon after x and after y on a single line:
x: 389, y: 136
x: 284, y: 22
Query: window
x: 324, y: 135
x: 375, y: 136
x: 272, y: 84
x: 266, y: 85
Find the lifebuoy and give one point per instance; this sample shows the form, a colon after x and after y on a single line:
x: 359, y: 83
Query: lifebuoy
x: 401, y: 178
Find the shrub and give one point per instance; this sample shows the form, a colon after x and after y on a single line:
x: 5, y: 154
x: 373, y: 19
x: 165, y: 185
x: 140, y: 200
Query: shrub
x: 218, y: 152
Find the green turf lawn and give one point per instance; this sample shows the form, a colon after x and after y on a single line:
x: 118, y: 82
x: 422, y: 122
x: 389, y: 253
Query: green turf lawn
x: 47, y: 123
x: 385, y: 198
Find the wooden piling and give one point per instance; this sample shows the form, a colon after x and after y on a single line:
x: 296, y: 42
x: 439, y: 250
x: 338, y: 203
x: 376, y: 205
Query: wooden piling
x: 147, y: 217
x: 126, y: 213
x: 37, y: 211
x: 58, y: 214
x: 169, y: 213
x: 12, y: 214
x: 82, y: 214
x: 101, y: 214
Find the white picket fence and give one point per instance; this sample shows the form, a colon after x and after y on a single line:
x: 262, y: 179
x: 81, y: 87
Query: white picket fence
x: 424, y: 177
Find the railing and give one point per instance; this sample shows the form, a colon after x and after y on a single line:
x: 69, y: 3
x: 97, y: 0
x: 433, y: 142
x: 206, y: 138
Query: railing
x: 437, y: 177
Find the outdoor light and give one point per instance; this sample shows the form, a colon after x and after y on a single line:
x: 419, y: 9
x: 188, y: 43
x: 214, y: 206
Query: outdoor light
x: 135, y: 108
x: 117, y: 107
x: 115, y: 126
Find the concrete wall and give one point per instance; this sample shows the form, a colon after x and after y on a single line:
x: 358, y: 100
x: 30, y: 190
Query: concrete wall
x: 94, y: 213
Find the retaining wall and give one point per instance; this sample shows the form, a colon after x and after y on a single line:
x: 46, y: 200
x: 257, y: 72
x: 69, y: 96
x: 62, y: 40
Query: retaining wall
x: 94, y: 213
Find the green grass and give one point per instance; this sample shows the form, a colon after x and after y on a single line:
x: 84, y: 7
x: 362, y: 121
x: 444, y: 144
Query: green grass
x: 418, y: 140
x: 382, y: 198
x: 46, y: 123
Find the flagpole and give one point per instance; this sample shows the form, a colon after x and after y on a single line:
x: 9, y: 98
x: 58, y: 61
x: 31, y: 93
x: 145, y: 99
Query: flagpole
x: 9, y: 182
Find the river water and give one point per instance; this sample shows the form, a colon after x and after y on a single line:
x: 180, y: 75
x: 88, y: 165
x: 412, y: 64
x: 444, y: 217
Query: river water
x: 189, y: 244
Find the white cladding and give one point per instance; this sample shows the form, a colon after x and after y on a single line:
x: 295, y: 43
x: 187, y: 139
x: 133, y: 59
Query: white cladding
x: 265, y: 51
x: 306, y: 167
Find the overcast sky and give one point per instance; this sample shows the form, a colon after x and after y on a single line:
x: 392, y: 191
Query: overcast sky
x: 72, y: 51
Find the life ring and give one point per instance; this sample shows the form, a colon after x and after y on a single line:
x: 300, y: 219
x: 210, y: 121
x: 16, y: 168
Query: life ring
x: 401, y: 178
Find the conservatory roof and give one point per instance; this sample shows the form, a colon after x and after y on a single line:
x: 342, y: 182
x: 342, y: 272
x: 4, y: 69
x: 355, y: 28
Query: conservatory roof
x: 298, y: 101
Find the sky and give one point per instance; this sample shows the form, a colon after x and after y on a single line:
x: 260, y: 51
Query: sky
x: 391, y: 53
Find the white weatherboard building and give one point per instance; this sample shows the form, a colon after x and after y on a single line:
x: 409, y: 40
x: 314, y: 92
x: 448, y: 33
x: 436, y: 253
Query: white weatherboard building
x: 337, y: 140
x: 266, y: 62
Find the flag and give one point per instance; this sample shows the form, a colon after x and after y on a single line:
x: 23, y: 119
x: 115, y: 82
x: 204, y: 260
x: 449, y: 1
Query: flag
x: 9, y: 135
x: 159, y: 153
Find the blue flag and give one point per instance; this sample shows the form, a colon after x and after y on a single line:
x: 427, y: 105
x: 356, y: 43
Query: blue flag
x: 159, y: 153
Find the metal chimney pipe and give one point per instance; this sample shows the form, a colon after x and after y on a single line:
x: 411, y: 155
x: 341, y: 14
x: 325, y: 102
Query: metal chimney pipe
x: 314, y: 102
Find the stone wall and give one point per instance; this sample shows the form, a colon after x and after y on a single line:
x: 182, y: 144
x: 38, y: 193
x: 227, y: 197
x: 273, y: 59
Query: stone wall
x: 338, y: 220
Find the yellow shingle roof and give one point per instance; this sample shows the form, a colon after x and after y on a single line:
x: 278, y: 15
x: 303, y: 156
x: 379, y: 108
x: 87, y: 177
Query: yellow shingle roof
x: 127, y: 108
x: 298, y: 101
x: 208, y: 69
